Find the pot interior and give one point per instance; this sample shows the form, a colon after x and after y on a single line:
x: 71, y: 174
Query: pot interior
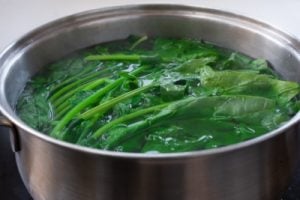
x: 57, y: 39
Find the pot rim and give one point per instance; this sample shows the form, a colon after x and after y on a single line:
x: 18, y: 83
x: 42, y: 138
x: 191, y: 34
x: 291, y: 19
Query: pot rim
x: 292, y: 40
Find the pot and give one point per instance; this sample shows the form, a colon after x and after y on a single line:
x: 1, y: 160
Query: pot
x: 256, y: 169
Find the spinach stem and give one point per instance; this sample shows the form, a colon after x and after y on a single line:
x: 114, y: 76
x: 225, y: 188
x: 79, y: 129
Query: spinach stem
x: 102, y: 108
x: 87, y: 102
x: 124, y: 57
x: 69, y: 79
x: 79, y: 107
x: 132, y: 57
x: 138, y: 42
x: 72, y: 82
x: 87, y: 129
x: 59, y: 113
x: 62, y: 101
x: 128, y: 117
x: 79, y: 81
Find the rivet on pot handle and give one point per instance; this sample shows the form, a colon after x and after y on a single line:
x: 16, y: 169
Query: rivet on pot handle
x: 14, y: 137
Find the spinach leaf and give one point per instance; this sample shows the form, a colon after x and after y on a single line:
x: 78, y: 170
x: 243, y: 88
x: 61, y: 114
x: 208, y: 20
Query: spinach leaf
x: 249, y: 83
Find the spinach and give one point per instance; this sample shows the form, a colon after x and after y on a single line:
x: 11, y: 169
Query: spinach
x: 157, y: 95
x: 35, y: 110
x: 250, y: 83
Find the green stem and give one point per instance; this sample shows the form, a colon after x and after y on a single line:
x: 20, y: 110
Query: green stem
x: 87, y: 129
x: 65, y: 89
x: 78, y: 79
x: 139, y: 41
x: 120, y: 134
x: 79, y: 107
x: 59, y: 113
x: 102, y: 108
x: 124, y: 57
x: 132, y: 57
x: 68, y: 80
x: 87, y: 102
x: 62, y: 101
x: 128, y: 117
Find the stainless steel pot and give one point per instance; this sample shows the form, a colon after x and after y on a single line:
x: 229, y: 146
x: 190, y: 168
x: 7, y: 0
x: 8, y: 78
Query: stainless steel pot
x: 256, y: 169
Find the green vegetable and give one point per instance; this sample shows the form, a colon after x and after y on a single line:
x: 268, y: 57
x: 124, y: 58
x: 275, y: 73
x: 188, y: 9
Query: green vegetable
x: 102, y: 108
x: 123, y: 57
x: 86, y: 102
x: 201, y: 110
x: 139, y: 41
x: 157, y: 95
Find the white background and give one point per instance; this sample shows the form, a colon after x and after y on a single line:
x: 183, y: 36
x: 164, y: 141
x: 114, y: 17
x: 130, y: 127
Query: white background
x: 20, y: 16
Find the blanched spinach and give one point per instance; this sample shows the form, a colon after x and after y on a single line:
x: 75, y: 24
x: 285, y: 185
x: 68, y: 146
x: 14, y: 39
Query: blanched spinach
x: 157, y: 95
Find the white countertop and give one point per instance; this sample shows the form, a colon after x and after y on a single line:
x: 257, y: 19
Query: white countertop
x: 20, y: 16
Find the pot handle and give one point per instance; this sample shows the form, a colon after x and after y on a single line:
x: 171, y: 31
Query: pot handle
x: 14, y: 137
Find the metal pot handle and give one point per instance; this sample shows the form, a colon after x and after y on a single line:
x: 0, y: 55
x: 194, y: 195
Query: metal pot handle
x: 14, y: 137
